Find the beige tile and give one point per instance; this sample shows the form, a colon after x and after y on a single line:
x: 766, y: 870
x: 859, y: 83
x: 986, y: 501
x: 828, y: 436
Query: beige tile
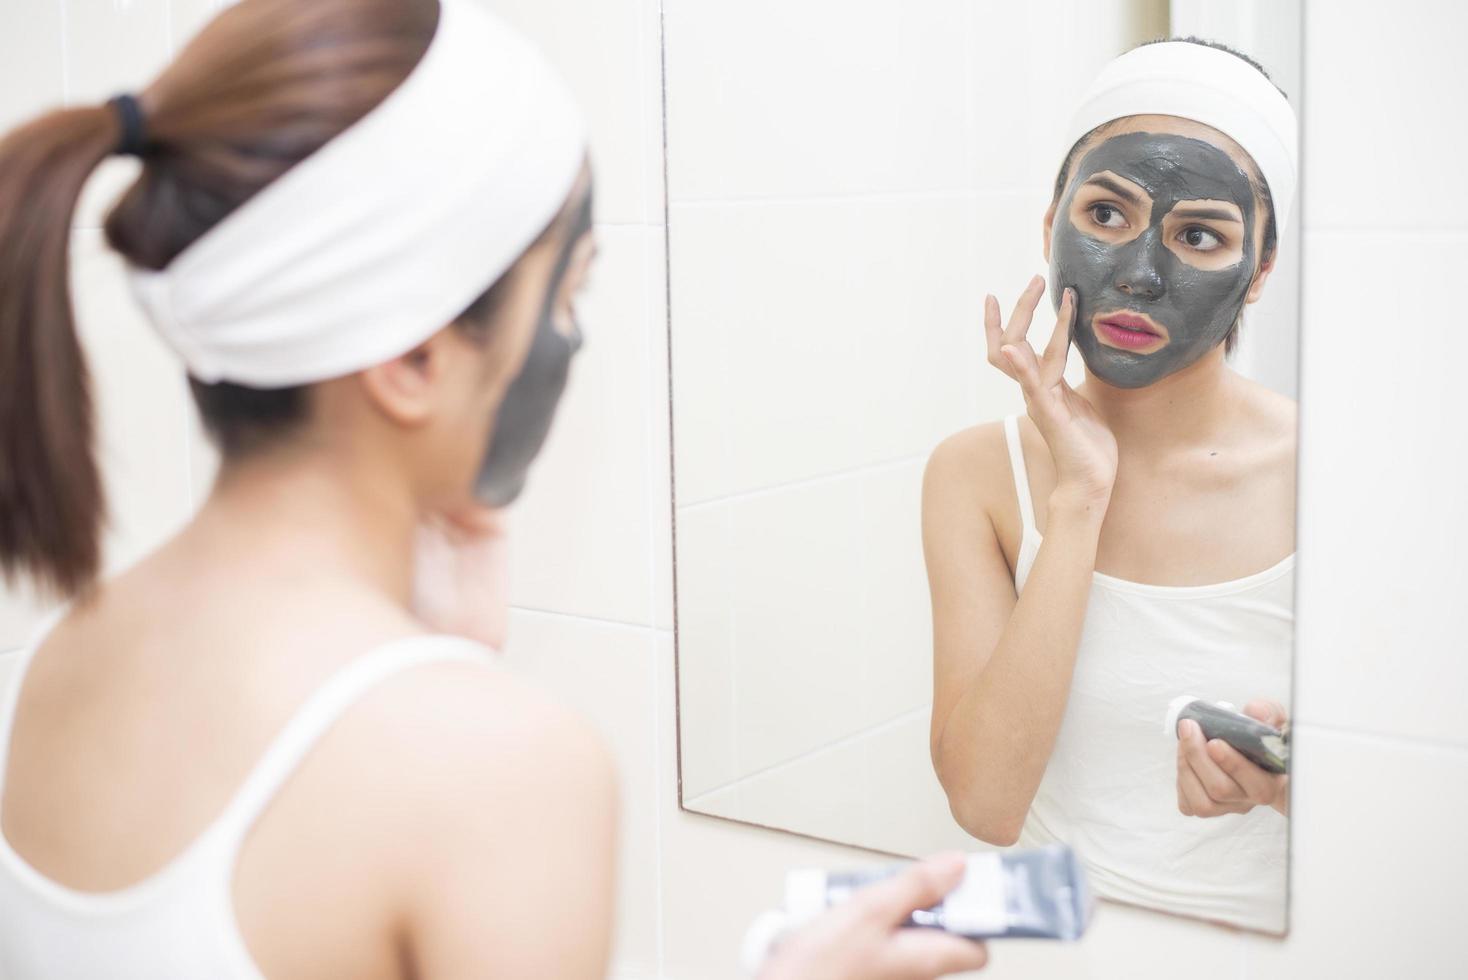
x: 874, y: 789
x: 1123, y: 942
x: 907, y: 812
x: 896, y: 614
x: 717, y: 875
x: 21, y: 612
x: 822, y: 794
x: 1376, y: 863
x: 9, y: 663
x: 1411, y: 148
x: 610, y: 673
x: 876, y: 105
x: 703, y: 394
x: 32, y: 79
x: 707, y: 679
x: 1031, y: 64
x: 114, y: 47
x: 810, y: 338
x: 582, y: 534
x: 1381, y: 500
x: 798, y: 620
x: 189, y: 16
x: 602, y: 51
x: 141, y: 400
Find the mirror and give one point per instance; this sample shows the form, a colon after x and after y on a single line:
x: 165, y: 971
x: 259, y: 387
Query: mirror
x: 856, y: 660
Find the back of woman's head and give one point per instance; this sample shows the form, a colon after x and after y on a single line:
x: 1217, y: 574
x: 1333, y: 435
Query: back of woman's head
x: 261, y: 88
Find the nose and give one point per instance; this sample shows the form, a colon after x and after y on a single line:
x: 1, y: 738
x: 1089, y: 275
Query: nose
x: 1138, y: 275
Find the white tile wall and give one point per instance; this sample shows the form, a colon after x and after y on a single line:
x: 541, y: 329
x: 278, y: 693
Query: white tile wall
x: 1377, y: 814
x: 1367, y: 408
x: 863, y: 790
x: 826, y: 296
x: 1390, y: 127
x: 815, y: 336
x: 113, y: 45
x: 32, y: 61
x: 879, y: 107
x: 608, y: 52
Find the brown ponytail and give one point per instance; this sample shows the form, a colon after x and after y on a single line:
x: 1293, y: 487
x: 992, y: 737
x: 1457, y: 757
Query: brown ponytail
x: 261, y: 88
x: 51, y: 501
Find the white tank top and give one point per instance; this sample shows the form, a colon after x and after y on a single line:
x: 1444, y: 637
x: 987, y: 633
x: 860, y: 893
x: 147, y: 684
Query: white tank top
x: 1110, y: 787
x: 177, y: 924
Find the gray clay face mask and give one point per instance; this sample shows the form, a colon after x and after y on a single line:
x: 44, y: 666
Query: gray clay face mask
x: 1147, y: 273
x: 525, y: 416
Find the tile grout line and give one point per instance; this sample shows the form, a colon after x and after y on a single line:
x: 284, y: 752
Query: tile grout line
x: 810, y: 754
x: 1392, y: 739
x: 804, y: 482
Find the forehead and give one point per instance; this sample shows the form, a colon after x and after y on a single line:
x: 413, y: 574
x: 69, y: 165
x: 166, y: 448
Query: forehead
x: 1162, y: 125
x: 1167, y: 165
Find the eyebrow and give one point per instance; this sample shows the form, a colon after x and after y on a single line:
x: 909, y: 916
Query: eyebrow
x: 1216, y: 214
x: 1119, y: 190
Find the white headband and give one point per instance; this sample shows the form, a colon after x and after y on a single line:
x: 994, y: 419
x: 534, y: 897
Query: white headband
x: 1213, y: 87
x: 390, y: 230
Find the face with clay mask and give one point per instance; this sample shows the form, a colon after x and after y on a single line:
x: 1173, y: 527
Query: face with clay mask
x: 1155, y: 233
x: 525, y: 416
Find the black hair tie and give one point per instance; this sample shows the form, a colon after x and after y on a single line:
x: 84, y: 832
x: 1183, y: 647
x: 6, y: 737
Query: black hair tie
x: 134, y: 140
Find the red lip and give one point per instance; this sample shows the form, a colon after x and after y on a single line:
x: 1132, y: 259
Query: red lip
x: 1129, y: 331
x: 1131, y: 321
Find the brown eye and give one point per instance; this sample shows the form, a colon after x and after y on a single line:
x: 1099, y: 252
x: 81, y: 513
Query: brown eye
x: 1107, y: 216
x: 1200, y: 239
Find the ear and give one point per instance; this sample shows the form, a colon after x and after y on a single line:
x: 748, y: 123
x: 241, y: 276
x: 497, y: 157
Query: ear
x: 1049, y: 224
x: 405, y: 389
x: 1256, y: 288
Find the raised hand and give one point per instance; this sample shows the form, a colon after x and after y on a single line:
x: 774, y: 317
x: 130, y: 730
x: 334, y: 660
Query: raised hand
x: 1080, y: 443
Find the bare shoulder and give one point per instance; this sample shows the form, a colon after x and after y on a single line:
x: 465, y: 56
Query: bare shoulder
x: 495, y: 783
x: 472, y: 720
x: 475, y: 748
x: 972, y: 461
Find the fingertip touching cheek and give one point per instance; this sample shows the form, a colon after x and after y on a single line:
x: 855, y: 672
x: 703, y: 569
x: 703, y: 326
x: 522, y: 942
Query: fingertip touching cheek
x: 1155, y: 233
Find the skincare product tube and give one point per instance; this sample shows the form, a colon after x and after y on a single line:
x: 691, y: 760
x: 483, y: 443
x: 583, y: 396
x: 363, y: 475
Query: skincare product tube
x: 1040, y: 893
x: 1265, y: 746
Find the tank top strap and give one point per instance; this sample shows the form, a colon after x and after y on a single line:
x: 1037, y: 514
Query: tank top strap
x: 320, y: 711
x: 1021, y: 476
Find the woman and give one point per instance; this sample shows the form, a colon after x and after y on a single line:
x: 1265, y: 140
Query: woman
x: 362, y: 225
x: 1131, y: 540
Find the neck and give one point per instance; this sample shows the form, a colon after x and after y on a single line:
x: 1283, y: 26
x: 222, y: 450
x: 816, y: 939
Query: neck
x: 1184, y: 410
x: 287, y: 511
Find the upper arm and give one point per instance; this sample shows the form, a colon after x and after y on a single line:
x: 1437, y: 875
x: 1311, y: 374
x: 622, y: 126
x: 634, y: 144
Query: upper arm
x: 969, y: 580
x: 511, y: 862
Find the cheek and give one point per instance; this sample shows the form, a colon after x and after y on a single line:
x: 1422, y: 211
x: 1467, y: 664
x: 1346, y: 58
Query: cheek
x: 1081, y: 259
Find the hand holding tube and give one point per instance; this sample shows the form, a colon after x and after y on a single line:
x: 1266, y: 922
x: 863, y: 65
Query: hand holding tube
x: 863, y: 938
x: 1214, y: 778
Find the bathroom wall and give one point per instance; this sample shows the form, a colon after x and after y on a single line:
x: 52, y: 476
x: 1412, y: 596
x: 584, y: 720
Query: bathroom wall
x: 1383, y: 767
x: 836, y: 218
